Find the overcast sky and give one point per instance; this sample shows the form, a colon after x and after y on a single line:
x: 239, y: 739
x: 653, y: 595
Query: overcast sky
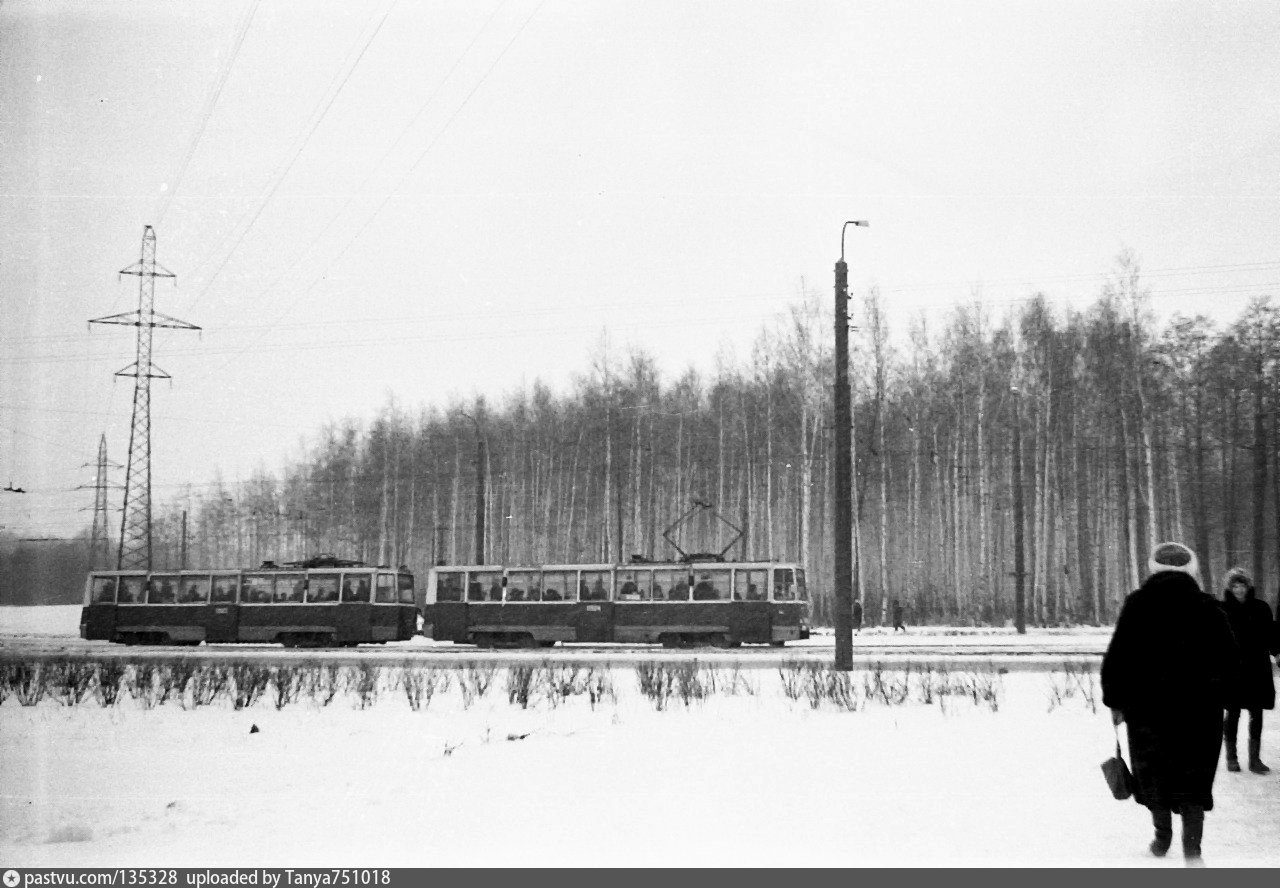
x: 426, y: 201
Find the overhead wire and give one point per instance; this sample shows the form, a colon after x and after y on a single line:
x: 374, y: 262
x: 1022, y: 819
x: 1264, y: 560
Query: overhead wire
x: 395, y: 188
x: 359, y: 189
x: 206, y: 112
x: 341, y: 77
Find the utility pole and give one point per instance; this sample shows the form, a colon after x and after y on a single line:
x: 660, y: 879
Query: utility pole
x: 182, y: 551
x: 482, y: 457
x: 135, y: 528
x: 843, y: 497
x: 1019, y: 542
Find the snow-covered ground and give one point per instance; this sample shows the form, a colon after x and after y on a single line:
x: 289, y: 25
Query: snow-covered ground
x: 63, y: 621
x: 746, y: 779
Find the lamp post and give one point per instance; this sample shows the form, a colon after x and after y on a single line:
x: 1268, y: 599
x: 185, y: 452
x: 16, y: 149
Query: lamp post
x: 843, y: 498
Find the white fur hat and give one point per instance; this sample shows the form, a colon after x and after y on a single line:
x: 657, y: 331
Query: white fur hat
x: 1176, y: 558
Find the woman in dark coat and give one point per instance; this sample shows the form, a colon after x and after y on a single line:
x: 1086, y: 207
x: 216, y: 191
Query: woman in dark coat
x: 1254, y: 689
x: 1165, y: 674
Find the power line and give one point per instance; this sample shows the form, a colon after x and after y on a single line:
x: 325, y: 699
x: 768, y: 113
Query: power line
x: 317, y: 117
x: 395, y: 188
x: 206, y: 112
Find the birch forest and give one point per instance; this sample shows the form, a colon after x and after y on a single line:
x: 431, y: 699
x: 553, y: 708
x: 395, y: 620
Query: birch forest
x: 1130, y: 432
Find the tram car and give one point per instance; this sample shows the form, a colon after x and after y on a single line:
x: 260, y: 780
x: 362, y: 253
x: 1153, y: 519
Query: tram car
x: 324, y: 601
x: 675, y: 604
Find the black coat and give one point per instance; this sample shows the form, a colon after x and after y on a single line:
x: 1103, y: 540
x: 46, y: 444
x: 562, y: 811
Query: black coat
x: 1167, y: 668
x: 1255, y: 633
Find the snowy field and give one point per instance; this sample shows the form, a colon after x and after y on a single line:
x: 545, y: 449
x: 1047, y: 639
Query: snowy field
x: 746, y: 776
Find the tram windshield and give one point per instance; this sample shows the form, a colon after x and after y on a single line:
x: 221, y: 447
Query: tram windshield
x: 450, y: 585
x: 788, y: 584
x: 104, y: 590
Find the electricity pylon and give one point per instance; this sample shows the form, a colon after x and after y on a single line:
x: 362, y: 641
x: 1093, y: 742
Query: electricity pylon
x: 100, y: 542
x: 135, y: 527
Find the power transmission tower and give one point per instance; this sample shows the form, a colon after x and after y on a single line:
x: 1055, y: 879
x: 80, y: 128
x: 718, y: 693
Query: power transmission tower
x: 100, y: 542
x: 135, y: 528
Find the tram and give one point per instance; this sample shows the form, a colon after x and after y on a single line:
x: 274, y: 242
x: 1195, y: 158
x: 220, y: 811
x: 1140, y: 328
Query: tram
x: 676, y: 604
x: 324, y: 601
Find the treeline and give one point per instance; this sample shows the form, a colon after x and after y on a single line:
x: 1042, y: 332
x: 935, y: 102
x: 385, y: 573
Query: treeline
x: 44, y: 571
x: 1129, y: 433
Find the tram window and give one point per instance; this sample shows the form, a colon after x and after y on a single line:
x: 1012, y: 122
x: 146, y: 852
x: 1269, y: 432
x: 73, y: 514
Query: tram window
x: 404, y: 586
x: 671, y: 585
x: 195, y: 590
x: 224, y: 589
x: 635, y: 585
x: 711, y: 585
x: 596, y: 585
x: 518, y: 584
x: 322, y: 588
x: 484, y: 585
x: 104, y: 590
x: 784, y: 584
x: 524, y: 585
x: 449, y: 586
x: 802, y: 590
x: 355, y: 587
x: 162, y: 589
x: 559, y: 585
x: 290, y: 588
x: 256, y: 589
x: 132, y: 589
x: 749, y: 585
x: 384, y: 589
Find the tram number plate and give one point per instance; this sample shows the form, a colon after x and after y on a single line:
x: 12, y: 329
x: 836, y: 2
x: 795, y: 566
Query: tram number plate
x: 219, y: 610
x: 593, y: 607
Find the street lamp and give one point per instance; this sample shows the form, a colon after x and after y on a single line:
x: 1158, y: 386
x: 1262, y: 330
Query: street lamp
x: 843, y: 467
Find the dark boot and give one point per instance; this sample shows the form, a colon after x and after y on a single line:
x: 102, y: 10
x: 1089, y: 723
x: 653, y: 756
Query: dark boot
x: 1229, y: 731
x: 1192, y: 833
x: 1163, y: 820
x: 1255, y: 743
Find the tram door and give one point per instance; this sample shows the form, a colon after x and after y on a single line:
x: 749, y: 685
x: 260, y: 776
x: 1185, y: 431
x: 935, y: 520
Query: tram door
x: 355, y: 611
x: 98, y: 620
x: 224, y: 614
x: 595, y: 606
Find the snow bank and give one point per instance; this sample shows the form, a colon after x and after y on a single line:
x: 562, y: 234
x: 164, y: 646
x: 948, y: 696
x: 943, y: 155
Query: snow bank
x: 50, y: 619
x: 744, y: 780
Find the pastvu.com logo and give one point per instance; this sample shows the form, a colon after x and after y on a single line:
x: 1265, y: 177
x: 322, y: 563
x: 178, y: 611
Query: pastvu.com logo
x: 11, y: 878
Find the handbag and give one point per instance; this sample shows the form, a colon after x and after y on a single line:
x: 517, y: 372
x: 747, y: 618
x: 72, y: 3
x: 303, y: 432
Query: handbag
x: 1116, y: 772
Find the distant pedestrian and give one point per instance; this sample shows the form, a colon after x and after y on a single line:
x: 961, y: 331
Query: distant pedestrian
x: 898, y: 616
x: 857, y: 617
x: 1166, y: 674
x: 1254, y: 690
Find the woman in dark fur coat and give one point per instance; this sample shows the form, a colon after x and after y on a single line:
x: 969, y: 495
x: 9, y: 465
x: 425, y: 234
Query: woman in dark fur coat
x: 1254, y: 690
x: 1165, y: 674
